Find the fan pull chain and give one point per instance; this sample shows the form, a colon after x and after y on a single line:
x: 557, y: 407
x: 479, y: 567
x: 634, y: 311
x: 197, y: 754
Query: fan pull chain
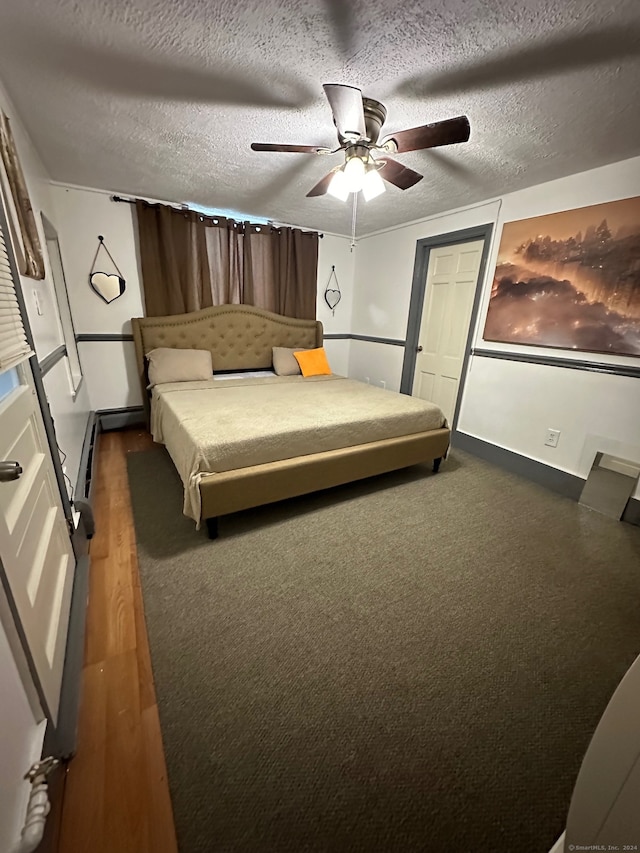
x: 353, y: 220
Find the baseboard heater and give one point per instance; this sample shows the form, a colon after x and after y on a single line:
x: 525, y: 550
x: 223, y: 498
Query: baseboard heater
x: 102, y: 420
x: 120, y: 418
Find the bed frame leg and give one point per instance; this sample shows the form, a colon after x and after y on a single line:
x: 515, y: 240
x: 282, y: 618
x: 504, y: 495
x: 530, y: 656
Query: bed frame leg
x: 212, y: 527
x: 436, y: 467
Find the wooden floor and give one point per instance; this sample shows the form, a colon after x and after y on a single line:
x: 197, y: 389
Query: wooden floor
x: 116, y: 796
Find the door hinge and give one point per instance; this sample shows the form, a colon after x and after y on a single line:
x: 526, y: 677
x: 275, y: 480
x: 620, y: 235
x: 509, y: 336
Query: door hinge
x: 41, y: 768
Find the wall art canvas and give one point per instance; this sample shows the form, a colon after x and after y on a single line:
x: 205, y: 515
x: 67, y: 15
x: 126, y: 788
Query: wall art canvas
x: 570, y: 280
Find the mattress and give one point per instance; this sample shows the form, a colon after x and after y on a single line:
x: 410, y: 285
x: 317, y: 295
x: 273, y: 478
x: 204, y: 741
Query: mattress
x: 212, y: 426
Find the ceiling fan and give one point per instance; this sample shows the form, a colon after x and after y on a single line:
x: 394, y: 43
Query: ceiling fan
x: 367, y: 165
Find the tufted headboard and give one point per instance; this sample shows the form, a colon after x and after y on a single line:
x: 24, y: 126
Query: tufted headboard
x: 239, y: 337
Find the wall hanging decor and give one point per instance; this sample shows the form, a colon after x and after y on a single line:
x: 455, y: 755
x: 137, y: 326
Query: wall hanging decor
x: 108, y: 286
x: 22, y: 222
x: 332, y: 295
x: 570, y: 280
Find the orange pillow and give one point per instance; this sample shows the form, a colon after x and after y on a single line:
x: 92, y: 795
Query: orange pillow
x: 313, y: 362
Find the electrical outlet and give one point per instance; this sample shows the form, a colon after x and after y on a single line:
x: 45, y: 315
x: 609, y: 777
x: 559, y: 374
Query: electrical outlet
x: 552, y: 437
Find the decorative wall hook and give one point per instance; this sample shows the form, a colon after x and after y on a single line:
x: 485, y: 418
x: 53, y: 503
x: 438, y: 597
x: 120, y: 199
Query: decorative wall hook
x: 107, y: 286
x: 332, y: 295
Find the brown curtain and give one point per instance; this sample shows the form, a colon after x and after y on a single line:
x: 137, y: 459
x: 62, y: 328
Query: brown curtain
x: 190, y: 261
x: 173, y: 257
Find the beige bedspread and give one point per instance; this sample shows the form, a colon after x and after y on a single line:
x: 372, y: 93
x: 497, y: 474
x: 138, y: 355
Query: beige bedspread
x: 211, y: 426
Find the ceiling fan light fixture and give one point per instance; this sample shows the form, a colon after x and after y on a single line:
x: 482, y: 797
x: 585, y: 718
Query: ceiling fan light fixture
x: 338, y: 186
x: 359, y: 121
x: 354, y: 174
x: 373, y: 185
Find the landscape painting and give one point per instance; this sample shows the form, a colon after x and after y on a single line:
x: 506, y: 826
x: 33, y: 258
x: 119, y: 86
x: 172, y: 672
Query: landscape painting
x: 570, y: 280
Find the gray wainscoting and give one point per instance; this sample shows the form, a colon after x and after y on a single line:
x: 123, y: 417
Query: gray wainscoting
x: 560, y: 361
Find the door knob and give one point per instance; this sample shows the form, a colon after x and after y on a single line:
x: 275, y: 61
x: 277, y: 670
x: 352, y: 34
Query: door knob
x: 10, y: 471
x: 418, y: 349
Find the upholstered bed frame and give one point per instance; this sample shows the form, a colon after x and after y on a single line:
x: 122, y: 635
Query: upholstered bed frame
x: 241, y: 337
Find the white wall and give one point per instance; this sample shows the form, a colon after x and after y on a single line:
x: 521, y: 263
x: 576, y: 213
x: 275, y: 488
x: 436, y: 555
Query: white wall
x: 336, y: 251
x: 384, y: 269
x: 382, y: 289
x: 70, y: 411
x: 69, y: 416
x: 378, y: 364
x: 21, y: 737
x: 110, y: 367
x: 510, y: 404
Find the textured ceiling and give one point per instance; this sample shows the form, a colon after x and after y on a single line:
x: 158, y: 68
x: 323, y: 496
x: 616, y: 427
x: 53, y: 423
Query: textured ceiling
x: 162, y: 98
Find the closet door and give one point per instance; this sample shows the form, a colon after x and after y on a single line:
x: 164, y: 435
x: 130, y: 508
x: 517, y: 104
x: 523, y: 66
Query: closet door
x: 452, y: 279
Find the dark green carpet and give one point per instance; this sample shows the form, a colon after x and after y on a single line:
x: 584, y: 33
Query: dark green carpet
x: 414, y: 663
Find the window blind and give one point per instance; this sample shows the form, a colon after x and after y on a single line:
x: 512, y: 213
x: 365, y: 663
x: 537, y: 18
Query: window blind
x: 14, y: 346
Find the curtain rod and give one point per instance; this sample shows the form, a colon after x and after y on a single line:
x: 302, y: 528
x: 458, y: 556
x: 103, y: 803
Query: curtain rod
x: 123, y: 200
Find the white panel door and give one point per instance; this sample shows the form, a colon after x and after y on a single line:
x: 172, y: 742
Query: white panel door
x: 452, y: 278
x: 35, y: 547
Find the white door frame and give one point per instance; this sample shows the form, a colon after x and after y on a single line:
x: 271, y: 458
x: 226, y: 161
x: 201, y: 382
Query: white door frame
x: 418, y: 289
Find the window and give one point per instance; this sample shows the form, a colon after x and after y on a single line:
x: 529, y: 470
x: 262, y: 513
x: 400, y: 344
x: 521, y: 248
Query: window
x: 14, y: 346
x: 62, y: 297
x: 8, y: 381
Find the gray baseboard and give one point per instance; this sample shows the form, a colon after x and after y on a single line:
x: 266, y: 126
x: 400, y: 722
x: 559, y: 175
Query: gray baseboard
x: 87, y: 458
x: 82, y: 499
x: 120, y: 418
x: 558, y: 481
x: 631, y: 512
x: 61, y: 741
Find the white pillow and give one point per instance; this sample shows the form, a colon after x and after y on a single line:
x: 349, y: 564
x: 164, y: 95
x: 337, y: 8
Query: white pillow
x: 284, y: 363
x: 178, y: 365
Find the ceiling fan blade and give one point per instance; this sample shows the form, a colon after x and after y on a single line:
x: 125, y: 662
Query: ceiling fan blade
x: 397, y: 174
x: 323, y: 184
x: 431, y: 135
x: 292, y: 149
x: 348, y: 112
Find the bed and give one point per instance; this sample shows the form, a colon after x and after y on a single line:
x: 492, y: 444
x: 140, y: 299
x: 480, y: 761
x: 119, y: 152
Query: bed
x: 285, y: 436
